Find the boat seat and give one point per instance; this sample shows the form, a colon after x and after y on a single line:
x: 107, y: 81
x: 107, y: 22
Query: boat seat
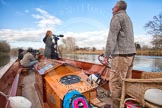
x: 25, y: 70
x: 154, y: 96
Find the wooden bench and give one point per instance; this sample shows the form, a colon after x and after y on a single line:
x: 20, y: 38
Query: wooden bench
x: 25, y: 70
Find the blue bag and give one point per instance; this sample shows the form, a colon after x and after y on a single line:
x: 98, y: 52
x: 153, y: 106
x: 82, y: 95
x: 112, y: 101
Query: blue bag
x: 74, y: 99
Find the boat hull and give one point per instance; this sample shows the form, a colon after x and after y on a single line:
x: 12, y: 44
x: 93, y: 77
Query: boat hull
x: 46, y: 88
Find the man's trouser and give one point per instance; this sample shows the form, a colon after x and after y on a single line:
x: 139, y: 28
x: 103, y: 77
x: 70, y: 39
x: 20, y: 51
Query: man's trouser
x: 121, y: 67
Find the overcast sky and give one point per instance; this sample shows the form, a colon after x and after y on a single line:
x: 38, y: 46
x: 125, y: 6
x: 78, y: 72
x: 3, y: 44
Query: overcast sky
x: 23, y: 23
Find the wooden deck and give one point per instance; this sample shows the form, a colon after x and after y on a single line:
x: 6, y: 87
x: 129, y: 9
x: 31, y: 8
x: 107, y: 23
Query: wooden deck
x: 29, y: 91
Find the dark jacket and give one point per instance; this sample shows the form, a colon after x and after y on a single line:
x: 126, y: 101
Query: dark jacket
x: 48, y: 46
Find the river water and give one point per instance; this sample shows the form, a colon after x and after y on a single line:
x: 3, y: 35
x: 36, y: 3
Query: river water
x: 144, y: 63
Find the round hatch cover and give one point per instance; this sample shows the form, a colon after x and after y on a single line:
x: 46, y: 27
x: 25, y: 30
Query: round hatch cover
x: 70, y: 79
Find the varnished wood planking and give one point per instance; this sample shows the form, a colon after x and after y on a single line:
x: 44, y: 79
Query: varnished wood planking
x: 7, y: 79
x: 53, y: 99
x: 7, y: 67
x: 71, y: 67
x: 56, y: 89
x: 61, y: 89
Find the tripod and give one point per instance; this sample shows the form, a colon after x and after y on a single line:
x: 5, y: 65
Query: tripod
x: 56, y: 51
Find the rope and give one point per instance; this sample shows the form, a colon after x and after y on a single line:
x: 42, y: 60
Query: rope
x: 6, y: 96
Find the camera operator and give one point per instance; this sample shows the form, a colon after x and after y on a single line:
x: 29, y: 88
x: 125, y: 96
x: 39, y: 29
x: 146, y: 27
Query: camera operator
x: 21, y: 53
x: 50, y: 46
x: 28, y: 60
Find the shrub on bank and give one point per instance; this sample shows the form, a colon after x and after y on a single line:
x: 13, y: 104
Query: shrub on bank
x: 4, y: 47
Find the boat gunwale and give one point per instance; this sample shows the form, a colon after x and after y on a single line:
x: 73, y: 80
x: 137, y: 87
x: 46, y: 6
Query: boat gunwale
x: 4, y: 69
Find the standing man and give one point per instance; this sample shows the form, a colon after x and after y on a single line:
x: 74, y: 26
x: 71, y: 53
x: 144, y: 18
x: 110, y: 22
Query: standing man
x: 120, y: 45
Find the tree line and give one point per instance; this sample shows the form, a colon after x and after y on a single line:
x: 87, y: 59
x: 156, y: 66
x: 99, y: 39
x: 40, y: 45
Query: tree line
x: 4, y: 48
x: 69, y: 45
x: 154, y: 28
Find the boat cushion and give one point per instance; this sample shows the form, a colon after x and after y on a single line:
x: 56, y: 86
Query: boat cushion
x: 19, y: 102
x: 153, y: 96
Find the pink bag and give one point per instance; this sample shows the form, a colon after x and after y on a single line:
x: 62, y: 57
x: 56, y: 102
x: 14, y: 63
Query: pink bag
x: 80, y: 101
x: 131, y: 103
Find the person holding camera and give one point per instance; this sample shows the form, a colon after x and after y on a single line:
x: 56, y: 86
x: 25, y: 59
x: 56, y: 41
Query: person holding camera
x: 50, y: 46
x: 28, y: 59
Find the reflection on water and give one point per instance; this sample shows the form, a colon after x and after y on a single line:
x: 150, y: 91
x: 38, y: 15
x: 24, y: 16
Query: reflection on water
x: 83, y: 57
x: 4, y: 60
x: 144, y: 63
x: 148, y: 63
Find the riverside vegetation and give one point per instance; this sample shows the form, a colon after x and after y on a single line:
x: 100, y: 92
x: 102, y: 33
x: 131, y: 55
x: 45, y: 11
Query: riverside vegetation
x: 145, y: 52
x: 4, y: 48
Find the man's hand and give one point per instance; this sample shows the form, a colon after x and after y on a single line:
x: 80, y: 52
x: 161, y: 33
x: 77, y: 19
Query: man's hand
x: 105, y: 61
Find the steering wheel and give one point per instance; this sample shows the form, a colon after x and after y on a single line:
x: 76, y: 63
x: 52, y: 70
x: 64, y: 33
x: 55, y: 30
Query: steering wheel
x: 102, y: 61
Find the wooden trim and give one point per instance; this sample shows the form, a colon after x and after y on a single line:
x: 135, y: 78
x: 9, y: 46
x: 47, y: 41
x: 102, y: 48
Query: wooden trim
x: 14, y: 87
x: 7, y: 67
x: 44, y: 89
x: 15, y: 84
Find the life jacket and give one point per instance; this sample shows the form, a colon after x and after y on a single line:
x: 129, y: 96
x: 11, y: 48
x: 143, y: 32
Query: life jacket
x: 74, y: 99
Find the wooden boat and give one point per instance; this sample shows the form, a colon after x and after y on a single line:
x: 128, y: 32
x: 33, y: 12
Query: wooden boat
x: 44, y: 86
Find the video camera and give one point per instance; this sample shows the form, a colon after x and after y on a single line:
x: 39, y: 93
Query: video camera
x: 56, y: 37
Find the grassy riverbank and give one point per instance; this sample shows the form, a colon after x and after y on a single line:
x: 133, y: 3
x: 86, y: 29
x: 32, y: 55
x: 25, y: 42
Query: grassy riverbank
x: 148, y: 52
x: 97, y: 52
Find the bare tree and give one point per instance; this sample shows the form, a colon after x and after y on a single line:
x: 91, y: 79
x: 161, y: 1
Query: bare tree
x: 145, y: 47
x: 154, y: 28
x: 69, y: 43
x: 93, y: 49
x: 157, y: 41
x: 4, y: 47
